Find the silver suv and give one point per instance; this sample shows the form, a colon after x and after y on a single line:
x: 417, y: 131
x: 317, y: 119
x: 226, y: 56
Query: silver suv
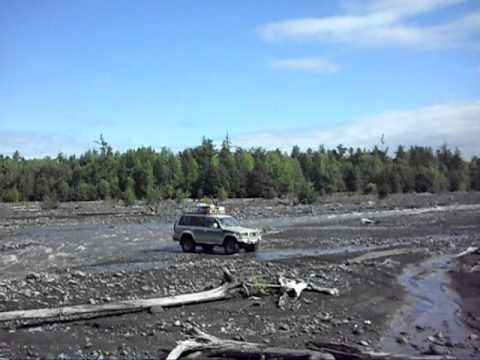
x: 209, y: 230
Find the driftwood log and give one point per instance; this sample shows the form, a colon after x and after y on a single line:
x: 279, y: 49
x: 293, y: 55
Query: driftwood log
x: 212, y: 346
x: 348, y: 352
x: 287, y: 287
x: 294, y: 288
x: 89, y: 310
x: 205, y: 345
x: 467, y: 251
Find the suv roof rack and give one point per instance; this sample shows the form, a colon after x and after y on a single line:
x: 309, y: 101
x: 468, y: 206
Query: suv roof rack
x: 203, y: 208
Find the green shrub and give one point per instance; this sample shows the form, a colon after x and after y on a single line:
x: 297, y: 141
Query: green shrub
x: 11, y: 195
x: 306, y: 193
x: 128, y: 197
x: 50, y: 202
x: 181, y: 196
x: 154, y: 196
x: 103, y: 189
x: 206, y: 200
x: 222, y: 194
x: 383, y: 190
x: 370, y: 188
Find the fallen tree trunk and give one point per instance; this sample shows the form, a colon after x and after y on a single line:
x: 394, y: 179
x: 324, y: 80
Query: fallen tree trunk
x: 348, y: 352
x: 209, y: 345
x: 469, y: 250
x: 88, y: 310
x: 323, y: 290
x: 294, y: 288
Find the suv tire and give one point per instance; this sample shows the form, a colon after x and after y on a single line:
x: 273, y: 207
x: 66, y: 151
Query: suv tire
x: 251, y: 247
x: 187, y: 244
x: 230, y: 245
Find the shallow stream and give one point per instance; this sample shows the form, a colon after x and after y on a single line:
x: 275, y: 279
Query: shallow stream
x: 432, y: 314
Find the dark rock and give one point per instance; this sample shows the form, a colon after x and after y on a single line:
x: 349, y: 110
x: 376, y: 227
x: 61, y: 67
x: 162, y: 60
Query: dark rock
x: 420, y: 327
x: 32, y: 276
x: 435, y: 350
x: 79, y: 274
x: 357, y: 331
x: 156, y: 309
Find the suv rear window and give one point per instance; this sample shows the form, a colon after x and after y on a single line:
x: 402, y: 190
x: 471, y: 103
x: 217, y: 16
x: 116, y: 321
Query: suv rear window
x: 192, y: 221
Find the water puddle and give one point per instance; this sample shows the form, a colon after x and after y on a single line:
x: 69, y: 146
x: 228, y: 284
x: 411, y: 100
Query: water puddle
x: 432, y: 314
x: 153, y: 258
x: 272, y: 255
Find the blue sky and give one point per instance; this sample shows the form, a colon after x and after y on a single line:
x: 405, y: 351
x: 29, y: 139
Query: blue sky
x: 270, y: 73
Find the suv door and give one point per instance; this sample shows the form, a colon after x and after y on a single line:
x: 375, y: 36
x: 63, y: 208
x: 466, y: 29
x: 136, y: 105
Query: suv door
x: 213, y: 232
x: 198, y: 228
x: 181, y: 226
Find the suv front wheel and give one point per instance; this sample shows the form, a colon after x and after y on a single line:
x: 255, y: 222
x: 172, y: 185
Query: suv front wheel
x: 187, y: 244
x: 230, y: 245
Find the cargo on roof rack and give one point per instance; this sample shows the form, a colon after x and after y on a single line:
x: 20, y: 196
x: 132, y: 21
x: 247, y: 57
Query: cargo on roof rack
x: 203, y: 208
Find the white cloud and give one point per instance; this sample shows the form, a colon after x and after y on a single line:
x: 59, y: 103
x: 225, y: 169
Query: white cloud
x: 337, y: 26
x: 381, y: 23
x: 458, y: 125
x: 397, y: 8
x: 313, y: 64
x: 32, y: 144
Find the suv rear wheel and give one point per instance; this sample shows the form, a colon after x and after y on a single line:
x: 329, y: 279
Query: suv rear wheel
x: 187, y: 244
x: 230, y: 245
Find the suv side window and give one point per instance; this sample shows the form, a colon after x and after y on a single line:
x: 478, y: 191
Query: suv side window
x: 209, y: 222
x: 197, y: 221
x: 185, y: 220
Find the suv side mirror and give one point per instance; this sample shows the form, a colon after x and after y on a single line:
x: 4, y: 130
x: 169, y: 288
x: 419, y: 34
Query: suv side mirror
x: 215, y: 225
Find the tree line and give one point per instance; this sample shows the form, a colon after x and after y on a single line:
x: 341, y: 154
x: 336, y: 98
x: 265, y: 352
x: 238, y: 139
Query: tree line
x: 227, y: 171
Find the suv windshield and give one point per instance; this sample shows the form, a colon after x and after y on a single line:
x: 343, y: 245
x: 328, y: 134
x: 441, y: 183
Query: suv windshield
x: 229, y: 221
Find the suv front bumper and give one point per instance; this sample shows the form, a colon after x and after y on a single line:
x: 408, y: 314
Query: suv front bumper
x: 249, y: 240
